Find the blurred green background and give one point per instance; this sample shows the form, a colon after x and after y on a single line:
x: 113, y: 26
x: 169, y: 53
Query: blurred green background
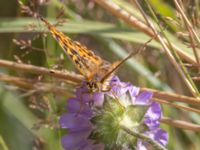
x: 29, y: 118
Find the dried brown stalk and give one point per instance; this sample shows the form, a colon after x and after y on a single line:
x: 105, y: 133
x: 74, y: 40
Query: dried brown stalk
x: 191, y: 65
x: 35, y: 86
x: 173, y: 97
x: 31, y: 85
x: 78, y: 78
x: 196, y: 78
x: 41, y: 70
x: 38, y: 86
x: 134, y: 22
x: 191, y: 31
x: 176, y: 106
x: 180, y: 124
x: 168, y: 47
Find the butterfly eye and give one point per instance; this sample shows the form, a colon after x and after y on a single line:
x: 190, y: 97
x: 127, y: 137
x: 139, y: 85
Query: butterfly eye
x: 92, y: 86
x: 89, y: 85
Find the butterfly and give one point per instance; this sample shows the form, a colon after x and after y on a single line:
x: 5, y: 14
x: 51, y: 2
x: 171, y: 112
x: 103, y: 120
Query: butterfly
x: 97, y: 72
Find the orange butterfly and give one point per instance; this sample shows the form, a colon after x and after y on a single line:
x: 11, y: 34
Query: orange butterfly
x: 96, y: 71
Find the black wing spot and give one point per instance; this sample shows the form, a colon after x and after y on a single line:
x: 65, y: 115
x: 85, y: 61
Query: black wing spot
x: 57, y: 37
x: 96, y: 58
x: 71, y: 55
x: 84, y: 55
x: 74, y: 52
x: 90, y: 53
x: 76, y: 62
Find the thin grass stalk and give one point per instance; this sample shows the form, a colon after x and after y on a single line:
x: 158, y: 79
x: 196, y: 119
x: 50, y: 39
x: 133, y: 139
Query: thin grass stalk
x: 172, y: 97
x: 163, y: 42
x: 33, y: 86
x: 142, y: 136
x: 176, y: 105
x: 67, y: 11
x: 41, y: 70
x: 191, y: 31
x: 136, y: 23
x: 76, y: 78
x: 180, y: 124
x: 187, y: 22
x: 182, y: 69
x: 3, y: 143
x: 196, y: 78
x: 37, y: 86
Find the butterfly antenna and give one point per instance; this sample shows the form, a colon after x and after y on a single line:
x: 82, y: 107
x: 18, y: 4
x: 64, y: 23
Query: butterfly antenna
x: 142, y: 48
x: 45, y: 21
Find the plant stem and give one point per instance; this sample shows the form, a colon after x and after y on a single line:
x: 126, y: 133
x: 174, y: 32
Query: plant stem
x: 144, y: 137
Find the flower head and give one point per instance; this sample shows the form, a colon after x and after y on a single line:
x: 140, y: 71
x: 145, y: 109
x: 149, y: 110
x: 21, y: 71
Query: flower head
x: 94, y: 120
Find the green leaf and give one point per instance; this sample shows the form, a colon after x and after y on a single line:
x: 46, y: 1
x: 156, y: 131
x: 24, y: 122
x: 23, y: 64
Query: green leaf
x: 133, y: 115
x: 90, y: 27
x: 17, y: 122
x: 112, y: 105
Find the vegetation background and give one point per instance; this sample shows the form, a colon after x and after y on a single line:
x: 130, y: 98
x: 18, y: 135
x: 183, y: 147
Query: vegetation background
x: 29, y: 116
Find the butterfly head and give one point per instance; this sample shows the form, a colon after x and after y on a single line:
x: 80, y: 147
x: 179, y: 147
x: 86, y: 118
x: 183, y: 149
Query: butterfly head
x: 93, y: 86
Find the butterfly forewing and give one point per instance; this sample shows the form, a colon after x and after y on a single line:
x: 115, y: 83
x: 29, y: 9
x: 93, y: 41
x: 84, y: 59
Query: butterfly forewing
x: 85, y: 60
x: 97, y: 71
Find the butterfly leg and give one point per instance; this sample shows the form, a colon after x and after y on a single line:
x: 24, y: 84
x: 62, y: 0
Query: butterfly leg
x: 90, y: 102
x: 107, y: 90
x: 81, y: 107
x: 81, y: 103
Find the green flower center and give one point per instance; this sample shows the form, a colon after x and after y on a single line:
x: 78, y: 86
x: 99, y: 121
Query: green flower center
x: 113, y: 114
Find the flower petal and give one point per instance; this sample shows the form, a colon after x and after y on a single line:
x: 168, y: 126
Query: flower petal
x: 134, y: 90
x: 144, y: 98
x: 76, y: 107
x: 73, y: 141
x: 92, y: 146
x: 80, y: 116
x: 98, y: 99
x: 161, y: 136
x: 140, y: 145
x: 71, y: 121
x: 158, y: 135
x: 153, y: 115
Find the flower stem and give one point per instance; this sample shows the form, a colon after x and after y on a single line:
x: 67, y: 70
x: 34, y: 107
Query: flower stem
x: 155, y: 144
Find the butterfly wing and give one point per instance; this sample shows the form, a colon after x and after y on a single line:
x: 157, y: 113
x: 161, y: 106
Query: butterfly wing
x: 84, y: 60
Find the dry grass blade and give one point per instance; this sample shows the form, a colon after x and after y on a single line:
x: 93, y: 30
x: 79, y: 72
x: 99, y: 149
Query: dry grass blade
x: 196, y: 78
x: 180, y: 124
x: 36, y: 86
x: 192, y: 65
x: 176, y: 106
x: 144, y: 137
x: 41, y: 71
x: 173, y: 97
x: 134, y: 22
x: 170, y: 52
x: 78, y: 78
x: 191, y: 31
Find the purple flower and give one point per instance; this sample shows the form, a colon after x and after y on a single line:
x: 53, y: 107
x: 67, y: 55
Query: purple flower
x: 77, y: 121
x: 93, y: 120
